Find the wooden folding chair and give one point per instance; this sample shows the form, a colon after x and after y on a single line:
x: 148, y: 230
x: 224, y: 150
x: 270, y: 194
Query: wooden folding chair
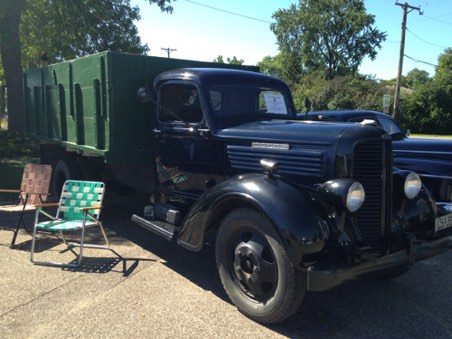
x: 79, y: 207
x: 34, y: 189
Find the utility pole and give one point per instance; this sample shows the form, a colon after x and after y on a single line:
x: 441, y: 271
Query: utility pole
x: 169, y: 50
x: 406, y: 9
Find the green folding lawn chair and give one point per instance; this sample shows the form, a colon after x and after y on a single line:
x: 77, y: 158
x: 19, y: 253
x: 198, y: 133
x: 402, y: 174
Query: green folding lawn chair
x: 79, y: 207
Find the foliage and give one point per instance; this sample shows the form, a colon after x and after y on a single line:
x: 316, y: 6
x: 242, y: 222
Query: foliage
x: 163, y: 4
x: 16, y: 151
x: 233, y: 61
x: 16, y: 145
x: 321, y: 45
x: 272, y: 66
x: 444, y: 69
x: 64, y: 30
x: 342, y: 92
x: 327, y: 36
x: 429, y: 108
x: 415, y: 78
x: 51, y: 27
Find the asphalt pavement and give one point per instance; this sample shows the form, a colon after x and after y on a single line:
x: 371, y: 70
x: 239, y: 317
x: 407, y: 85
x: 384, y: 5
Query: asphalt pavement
x: 146, y: 287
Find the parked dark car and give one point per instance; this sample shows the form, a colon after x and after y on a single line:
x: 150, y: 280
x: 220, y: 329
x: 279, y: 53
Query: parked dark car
x: 424, y: 156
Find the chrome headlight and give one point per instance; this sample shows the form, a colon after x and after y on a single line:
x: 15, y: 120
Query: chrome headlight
x: 413, y: 185
x: 344, y: 193
x: 355, y: 197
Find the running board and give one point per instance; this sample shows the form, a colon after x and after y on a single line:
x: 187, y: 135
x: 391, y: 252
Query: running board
x: 161, y: 228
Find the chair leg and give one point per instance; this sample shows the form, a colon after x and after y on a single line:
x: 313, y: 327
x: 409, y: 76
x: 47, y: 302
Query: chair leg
x: 81, y: 246
x: 56, y: 264
x: 104, y: 234
x: 33, y: 242
x: 50, y: 263
x: 107, y: 242
x: 16, y: 231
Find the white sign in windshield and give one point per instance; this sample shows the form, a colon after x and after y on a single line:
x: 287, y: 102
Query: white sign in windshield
x: 275, y: 103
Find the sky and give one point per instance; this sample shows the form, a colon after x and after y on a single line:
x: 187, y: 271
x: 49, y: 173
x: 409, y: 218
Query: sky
x: 204, y: 29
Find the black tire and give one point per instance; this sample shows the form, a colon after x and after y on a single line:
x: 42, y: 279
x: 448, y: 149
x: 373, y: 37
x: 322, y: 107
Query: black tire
x: 65, y: 169
x: 87, y: 171
x: 255, y: 269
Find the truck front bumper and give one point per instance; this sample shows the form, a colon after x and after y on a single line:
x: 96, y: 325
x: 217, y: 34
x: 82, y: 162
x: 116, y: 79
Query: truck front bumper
x: 321, y: 278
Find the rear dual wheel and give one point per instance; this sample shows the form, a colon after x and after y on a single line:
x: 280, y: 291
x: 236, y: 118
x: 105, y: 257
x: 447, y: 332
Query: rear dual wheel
x: 255, y: 269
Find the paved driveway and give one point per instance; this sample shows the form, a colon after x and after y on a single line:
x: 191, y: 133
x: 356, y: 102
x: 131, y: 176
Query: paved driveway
x: 150, y: 288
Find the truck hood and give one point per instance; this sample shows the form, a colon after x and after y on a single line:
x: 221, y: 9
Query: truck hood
x: 304, y: 150
x: 293, y: 132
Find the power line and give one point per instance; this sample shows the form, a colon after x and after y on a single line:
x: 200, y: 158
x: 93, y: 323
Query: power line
x: 423, y: 62
x: 443, y: 22
x: 228, y: 12
x: 427, y: 42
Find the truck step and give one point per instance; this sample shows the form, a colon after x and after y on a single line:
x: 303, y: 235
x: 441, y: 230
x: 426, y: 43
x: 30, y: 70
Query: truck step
x: 161, y: 228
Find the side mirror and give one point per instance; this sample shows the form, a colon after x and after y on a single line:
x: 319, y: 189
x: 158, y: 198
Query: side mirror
x: 144, y: 95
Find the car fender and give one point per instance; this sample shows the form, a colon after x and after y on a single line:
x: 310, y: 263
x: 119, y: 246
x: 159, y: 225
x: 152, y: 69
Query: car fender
x: 299, y: 218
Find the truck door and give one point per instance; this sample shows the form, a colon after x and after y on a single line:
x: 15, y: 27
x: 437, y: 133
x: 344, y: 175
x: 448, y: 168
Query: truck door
x: 187, y: 160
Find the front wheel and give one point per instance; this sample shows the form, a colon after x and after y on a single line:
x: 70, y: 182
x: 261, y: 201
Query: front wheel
x: 255, y: 269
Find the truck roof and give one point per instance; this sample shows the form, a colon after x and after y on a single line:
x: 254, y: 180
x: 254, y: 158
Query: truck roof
x: 218, y: 75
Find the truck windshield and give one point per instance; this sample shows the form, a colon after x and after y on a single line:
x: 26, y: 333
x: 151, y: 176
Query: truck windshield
x: 233, y: 101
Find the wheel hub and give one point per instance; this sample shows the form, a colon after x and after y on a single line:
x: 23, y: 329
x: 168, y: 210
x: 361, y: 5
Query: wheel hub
x: 255, y: 271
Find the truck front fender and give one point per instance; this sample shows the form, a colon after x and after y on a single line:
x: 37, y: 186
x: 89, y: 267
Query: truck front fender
x: 298, y: 218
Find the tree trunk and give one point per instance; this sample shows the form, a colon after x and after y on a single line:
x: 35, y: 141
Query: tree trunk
x: 10, y: 49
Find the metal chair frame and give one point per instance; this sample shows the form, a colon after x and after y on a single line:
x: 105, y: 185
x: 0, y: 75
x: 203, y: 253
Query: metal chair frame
x: 76, y: 211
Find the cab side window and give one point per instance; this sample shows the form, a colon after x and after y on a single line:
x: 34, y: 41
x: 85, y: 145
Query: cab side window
x: 179, y: 103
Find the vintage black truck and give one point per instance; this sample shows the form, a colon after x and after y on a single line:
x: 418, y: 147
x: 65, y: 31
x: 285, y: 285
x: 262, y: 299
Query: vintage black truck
x: 296, y: 205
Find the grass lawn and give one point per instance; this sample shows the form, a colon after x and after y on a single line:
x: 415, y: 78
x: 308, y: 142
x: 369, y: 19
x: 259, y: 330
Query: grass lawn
x: 431, y: 136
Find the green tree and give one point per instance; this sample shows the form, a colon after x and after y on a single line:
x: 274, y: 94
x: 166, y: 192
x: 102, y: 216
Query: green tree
x: 234, y: 61
x: 331, y: 36
x: 219, y: 59
x: 272, y: 66
x: 429, y: 108
x: 342, y: 92
x: 415, y: 78
x: 64, y: 30
x: 51, y: 27
x: 285, y: 67
x: 444, y: 69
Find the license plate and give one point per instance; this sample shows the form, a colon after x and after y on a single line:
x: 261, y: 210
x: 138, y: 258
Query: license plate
x: 443, y: 222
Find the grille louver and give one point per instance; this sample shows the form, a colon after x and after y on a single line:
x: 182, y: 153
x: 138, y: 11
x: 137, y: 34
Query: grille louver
x: 296, y: 162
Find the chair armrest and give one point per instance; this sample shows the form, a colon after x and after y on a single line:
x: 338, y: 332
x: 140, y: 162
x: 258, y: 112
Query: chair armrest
x: 91, y: 208
x: 50, y: 204
x: 36, y: 193
x: 9, y: 191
